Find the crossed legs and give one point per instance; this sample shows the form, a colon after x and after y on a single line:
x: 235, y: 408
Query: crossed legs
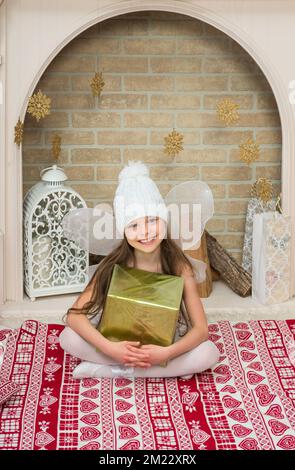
x: 201, y: 358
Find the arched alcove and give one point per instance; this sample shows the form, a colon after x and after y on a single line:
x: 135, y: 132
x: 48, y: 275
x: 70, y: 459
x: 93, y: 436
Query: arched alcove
x: 161, y: 70
x: 223, y: 22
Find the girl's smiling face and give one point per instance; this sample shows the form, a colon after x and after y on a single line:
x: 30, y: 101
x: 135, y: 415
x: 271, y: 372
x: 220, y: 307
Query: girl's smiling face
x: 146, y: 233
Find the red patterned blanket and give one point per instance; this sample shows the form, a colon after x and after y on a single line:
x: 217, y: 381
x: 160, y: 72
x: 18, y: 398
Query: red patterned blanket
x: 246, y: 402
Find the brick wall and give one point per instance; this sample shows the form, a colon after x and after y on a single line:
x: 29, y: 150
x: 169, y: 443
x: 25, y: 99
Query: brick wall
x: 160, y: 71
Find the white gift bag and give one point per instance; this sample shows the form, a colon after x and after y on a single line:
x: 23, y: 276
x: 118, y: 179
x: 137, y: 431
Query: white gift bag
x: 255, y: 206
x: 271, y: 258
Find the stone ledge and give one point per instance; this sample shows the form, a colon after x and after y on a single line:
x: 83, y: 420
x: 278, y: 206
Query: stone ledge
x: 223, y: 304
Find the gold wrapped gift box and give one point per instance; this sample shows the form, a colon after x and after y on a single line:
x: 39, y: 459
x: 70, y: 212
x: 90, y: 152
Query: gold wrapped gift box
x: 141, y: 306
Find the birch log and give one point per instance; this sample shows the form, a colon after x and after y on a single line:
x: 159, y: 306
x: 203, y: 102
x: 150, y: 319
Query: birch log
x: 237, y: 278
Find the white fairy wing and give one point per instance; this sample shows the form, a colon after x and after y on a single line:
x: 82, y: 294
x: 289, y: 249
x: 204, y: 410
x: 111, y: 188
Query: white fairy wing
x: 190, y: 205
x: 199, y: 269
x: 93, y: 229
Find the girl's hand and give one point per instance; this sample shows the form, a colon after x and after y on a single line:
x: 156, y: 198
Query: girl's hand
x: 155, y: 354
x: 127, y: 353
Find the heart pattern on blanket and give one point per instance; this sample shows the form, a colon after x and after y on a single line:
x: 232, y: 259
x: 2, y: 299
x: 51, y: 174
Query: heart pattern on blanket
x: 247, y: 344
x: 125, y: 392
x: 92, y: 419
x: 243, y: 335
x: 87, y: 405
x: 247, y: 356
x: 131, y: 445
x: 230, y: 402
x: 122, y: 405
x: 43, y: 439
x: 223, y: 379
x: 126, y: 432
x: 264, y: 395
x: 277, y: 427
x: 89, y: 382
x: 254, y: 378
x: 122, y: 382
x: 238, y: 415
x: 255, y: 366
x: 4, y: 334
x: 47, y: 400
x: 228, y: 388
x: 51, y: 368
x: 92, y: 393
x: 91, y: 446
x: 275, y: 411
x: 213, y: 337
x: 220, y: 348
x: 241, y: 431
x: 189, y: 398
x: 199, y: 436
x: 223, y: 370
x: 287, y: 443
x: 242, y: 326
x: 249, y: 444
x: 127, y: 418
x: 88, y: 433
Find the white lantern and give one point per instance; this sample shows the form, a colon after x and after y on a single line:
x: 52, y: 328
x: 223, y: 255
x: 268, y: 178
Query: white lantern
x: 53, y: 264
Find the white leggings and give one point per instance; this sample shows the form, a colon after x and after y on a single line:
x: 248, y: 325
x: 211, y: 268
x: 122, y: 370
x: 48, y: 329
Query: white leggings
x: 201, y: 358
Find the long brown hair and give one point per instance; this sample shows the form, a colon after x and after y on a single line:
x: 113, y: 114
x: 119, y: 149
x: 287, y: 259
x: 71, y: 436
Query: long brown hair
x: 172, y: 259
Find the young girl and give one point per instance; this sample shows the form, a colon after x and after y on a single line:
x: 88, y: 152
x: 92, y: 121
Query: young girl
x: 146, y: 244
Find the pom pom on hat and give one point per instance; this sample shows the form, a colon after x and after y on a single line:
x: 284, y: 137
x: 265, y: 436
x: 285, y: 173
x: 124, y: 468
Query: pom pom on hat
x: 137, y: 196
x: 133, y: 170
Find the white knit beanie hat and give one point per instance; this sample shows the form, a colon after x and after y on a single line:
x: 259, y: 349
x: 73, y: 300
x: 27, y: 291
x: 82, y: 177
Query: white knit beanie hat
x: 137, y: 196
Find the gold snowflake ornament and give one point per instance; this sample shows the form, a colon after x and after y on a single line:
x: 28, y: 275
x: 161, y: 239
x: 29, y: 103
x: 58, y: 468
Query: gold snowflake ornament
x: 18, y: 132
x: 173, y: 143
x: 249, y: 151
x: 39, y: 105
x: 262, y: 189
x: 227, y: 111
x: 97, y: 84
x: 56, y: 148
